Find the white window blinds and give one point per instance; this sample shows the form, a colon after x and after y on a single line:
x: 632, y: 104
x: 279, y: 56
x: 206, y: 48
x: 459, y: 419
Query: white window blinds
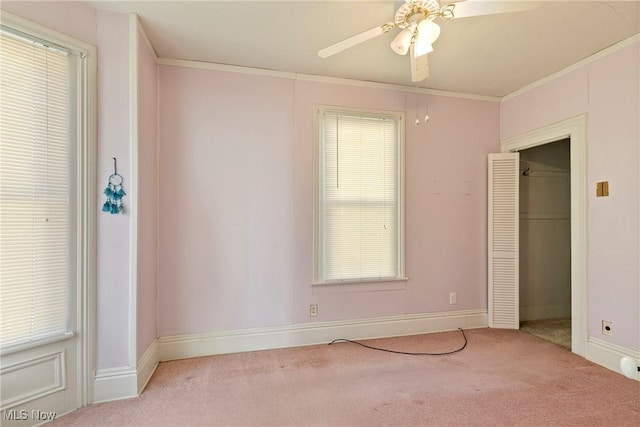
x: 34, y: 190
x: 358, y: 230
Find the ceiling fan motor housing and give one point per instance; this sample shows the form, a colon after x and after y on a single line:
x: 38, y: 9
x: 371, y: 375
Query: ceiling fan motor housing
x: 415, y: 11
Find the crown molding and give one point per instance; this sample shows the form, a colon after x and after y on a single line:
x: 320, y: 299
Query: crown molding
x: 187, y: 63
x: 319, y: 79
x: 146, y: 39
x: 582, y: 63
x: 401, y: 88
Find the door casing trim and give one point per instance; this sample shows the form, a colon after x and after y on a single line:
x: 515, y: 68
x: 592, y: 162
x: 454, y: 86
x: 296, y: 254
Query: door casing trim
x: 575, y: 129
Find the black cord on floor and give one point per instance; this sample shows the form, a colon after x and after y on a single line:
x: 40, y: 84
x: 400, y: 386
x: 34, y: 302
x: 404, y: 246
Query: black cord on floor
x: 406, y: 352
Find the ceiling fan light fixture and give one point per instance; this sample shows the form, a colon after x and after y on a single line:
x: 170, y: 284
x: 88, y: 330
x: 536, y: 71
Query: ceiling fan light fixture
x: 429, y: 29
x: 428, y: 33
x: 401, y: 43
x: 422, y: 47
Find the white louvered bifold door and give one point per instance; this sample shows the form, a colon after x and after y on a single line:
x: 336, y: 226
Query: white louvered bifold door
x: 503, y: 240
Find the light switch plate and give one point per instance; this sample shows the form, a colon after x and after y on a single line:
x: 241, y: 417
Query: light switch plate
x: 602, y: 189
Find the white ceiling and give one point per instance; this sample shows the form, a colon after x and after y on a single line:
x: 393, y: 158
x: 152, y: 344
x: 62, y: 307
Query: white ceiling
x: 485, y: 55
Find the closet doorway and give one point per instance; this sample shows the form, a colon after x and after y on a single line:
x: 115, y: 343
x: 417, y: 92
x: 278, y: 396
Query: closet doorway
x: 545, y: 242
x: 503, y: 227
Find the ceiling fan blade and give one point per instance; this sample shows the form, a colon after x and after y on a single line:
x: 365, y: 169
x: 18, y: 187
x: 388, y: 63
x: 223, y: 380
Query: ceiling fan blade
x: 354, y: 40
x: 419, y: 66
x: 469, y: 8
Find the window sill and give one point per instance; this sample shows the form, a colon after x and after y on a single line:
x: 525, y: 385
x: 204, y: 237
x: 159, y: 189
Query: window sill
x: 36, y: 343
x: 364, y: 285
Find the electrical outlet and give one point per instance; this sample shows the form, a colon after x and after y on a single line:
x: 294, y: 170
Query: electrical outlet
x: 453, y: 298
x: 313, y: 310
x: 607, y: 328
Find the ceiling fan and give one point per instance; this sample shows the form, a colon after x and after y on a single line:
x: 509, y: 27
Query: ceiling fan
x: 418, y: 32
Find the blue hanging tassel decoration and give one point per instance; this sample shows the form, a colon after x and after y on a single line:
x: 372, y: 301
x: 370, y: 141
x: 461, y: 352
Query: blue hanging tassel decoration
x: 114, y: 192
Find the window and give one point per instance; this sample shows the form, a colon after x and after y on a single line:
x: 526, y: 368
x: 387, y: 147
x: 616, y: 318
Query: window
x: 37, y: 147
x: 359, y: 196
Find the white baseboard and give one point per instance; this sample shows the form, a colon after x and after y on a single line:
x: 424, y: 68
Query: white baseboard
x: 114, y: 384
x: 125, y: 382
x: 147, y: 365
x: 122, y: 383
x: 550, y: 311
x: 608, y: 355
x: 195, y: 345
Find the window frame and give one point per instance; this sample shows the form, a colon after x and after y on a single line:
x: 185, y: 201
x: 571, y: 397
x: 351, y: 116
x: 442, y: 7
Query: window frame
x: 44, y: 47
x: 84, y: 215
x: 318, y: 247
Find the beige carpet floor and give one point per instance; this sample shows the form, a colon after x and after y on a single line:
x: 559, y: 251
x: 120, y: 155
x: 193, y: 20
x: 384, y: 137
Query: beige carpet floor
x: 502, y: 378
x: 557, y: 331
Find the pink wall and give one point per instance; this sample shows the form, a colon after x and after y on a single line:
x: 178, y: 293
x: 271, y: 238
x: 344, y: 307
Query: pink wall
x: 608, y: 91
x: 147, y: 198
x: 226, y: 180
x: 74, y: 19
x: 113, y: 230
x: 109, y: 32
x: 236, y: 203
x: 235, y: 192
x: 445, y: 227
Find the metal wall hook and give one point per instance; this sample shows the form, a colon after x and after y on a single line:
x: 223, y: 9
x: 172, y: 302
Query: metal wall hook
x: 115, y: 178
